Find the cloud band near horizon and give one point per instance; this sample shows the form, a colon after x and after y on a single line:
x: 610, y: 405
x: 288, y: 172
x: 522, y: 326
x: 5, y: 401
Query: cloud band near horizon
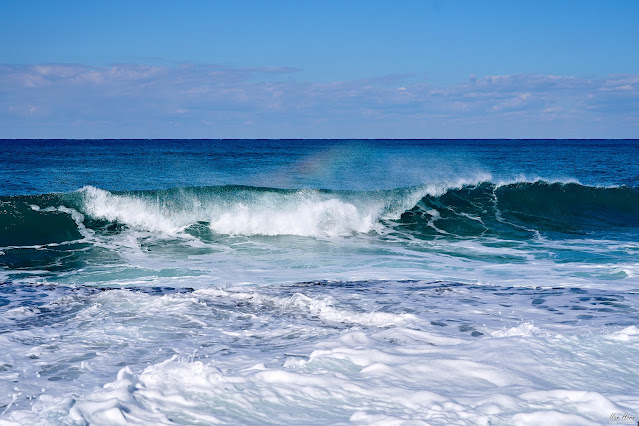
x: 209, y: 101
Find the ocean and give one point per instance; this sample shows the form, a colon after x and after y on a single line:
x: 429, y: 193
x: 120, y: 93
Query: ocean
x: 319, y: 282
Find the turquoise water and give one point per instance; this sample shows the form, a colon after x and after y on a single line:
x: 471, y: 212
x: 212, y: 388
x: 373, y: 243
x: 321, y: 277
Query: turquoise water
x: 251, y: 267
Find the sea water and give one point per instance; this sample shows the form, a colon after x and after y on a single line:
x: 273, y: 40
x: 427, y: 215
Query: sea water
x: 319, y: 281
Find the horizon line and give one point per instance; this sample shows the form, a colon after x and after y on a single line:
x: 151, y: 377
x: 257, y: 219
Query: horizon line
x: 319, y: 139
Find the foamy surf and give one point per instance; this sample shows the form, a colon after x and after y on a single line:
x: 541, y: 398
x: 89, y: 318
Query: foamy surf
x: 257, y: 211
x: 423, y: 282
x: 464, y: 230
x: 332, y: 352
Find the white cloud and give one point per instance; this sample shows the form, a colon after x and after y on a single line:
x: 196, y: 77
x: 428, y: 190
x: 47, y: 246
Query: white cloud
x: 132, y: 100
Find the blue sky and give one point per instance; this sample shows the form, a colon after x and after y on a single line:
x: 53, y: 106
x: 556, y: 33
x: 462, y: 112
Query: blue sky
x: 302, y: 69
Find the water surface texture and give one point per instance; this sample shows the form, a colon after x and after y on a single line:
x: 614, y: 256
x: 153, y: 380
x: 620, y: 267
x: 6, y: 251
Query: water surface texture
x: 319, y: 281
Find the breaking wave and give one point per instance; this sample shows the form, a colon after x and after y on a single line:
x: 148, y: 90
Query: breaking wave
x: 461, y: 210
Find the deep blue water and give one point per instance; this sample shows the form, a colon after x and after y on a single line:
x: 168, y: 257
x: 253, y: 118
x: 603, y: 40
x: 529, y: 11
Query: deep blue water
x: 37, y: 166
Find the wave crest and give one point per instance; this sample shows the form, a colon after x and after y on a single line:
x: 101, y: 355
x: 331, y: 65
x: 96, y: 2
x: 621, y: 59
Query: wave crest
x: 461, y: 209
x: 308, y: 216
x: 240, y: 211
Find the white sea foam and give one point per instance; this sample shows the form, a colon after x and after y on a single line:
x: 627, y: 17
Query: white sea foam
x: 129, y: 210
x: 305, y: 213
x: 253, y: 212
x: 256, y: 354
x: 626, y: 334
x: 535, y: 179
x: 308, y: 216
x: 323, y: 308
x: 359, y: 379
x: 524, y: 329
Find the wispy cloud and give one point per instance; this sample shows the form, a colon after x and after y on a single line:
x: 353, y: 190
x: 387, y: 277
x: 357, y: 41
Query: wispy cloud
x: 132, y: 100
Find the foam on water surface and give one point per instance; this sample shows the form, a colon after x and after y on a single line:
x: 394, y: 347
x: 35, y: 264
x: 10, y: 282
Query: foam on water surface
x: 297, y: 282
x: 457, y: 230
x: 336, y: 352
